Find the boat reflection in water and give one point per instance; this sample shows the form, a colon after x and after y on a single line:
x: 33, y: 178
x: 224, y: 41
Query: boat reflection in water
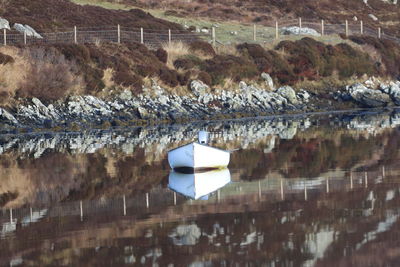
x: 198, y: 185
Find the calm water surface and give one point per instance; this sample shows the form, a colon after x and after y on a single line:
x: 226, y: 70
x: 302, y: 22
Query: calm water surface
x: 301, y: 191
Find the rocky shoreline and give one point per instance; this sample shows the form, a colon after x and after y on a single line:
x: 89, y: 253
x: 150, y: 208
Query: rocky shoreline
x: 156, y: 106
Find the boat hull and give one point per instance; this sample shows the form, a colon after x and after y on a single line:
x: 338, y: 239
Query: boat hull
x: 198, y: 185
x: 198, y: 156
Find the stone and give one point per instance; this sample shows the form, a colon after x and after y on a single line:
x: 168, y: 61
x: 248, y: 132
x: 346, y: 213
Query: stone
x: 268, y: 80
x: 5, y: 115
x: 395, y: 93
x: 368, y: 97
x: 243, y: 86
x: 4, y: 24
x: 373, y: 17
x: 304, y: 95
x: 198, y: 87
x: 288, y: 93
x: 126, y: 95
x: 295, y: 30
x: 26, y: 29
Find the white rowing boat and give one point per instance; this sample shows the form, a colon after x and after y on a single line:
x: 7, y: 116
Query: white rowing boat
x: 198, y: 185
x: 198, y: 156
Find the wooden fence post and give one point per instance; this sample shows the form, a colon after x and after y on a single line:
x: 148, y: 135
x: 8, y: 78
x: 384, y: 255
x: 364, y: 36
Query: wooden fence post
x: 141, y: 36
x: 119, y: 34
x: 75, y: 36
x: 214, y: 37
x: 25, y: 41
x: 300, y: 23
x: 276, y: 30
x: 169, y: 36
x: 5, y: 36
x: 81, y: 209
x: 347, y: 28
x: 379, y: 33
x: 124, y: 203
x: 322, y: 27
x: 361, y: 27
x: 254, y: 32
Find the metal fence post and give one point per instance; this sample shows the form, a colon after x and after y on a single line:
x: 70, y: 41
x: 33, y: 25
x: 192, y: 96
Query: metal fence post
x: 276, y: 30
x: 141, y: 36
x: 254, y: 32
x: 322, y: 27
x: 361, y: 27
x: 379, y: 33
x: 169, y: 36
x: 119, y: 34
x: 75, y: 36
x: 5, y: 36
x: 25, y: 38
x: 347, y: 28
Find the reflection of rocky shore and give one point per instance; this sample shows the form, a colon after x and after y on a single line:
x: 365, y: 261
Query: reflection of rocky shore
x: 158, y: 139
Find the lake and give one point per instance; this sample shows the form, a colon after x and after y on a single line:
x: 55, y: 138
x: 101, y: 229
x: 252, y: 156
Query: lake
x: 312, y: 190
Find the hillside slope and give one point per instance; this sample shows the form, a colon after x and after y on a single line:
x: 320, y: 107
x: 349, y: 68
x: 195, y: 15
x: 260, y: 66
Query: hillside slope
x: 267, y: 11
x: 47, y: 15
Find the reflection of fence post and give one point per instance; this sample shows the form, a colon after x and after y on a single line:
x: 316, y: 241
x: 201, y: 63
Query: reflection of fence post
x: 124, y: 205
x: 379, y: 33
x: 5, y: 37
x: 81, y: 209
x: 347, y: 28
x: 75, y: 36
x: 254, y: 32
x: 351, y: 180
x: 119, y: 34
x: 213, y: 35
x: 24, y: 37
x: 141, y: 36
x: 305, y: 191
x: 31, y: 211
x: 361, y: 27
x: 366, y: 179
x: 169, y: 36
x: 11, y: 216
x: 322, y: 27
x: 276, y: 30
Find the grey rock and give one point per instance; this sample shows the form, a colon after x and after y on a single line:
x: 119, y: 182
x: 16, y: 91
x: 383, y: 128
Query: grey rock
x: 4, y: 24
x: 125, y: 95
x: 368, y: 97
x: 5, y: 115
x: 268, y: 80
x: 303, y: 95
x: 288, y: 93
x: 243, y: 86
x: 295, y: 30
x: 395, y: 93
x: 26, y: 29
x: 198, y: 87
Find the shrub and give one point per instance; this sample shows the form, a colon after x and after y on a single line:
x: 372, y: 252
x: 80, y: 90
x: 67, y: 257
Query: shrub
x: 5, y: 59
x: 184, y: 78
x: 146, y: 70
x: 162, y: 55
x: 202, y: 47
x: 128, y: 79
x: 169, y: 77
x: 229, y: 66
x: 184, y: 63
x: 205, y: 78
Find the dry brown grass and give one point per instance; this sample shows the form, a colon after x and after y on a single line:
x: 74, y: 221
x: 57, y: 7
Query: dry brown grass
x: 37, y: 72
x: 175, y: 50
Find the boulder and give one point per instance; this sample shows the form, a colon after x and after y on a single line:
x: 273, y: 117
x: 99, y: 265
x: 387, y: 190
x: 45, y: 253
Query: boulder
x: 27, y: 29
x: 303, y: 95
x: 4, y: 24
x: 7, y: 116
x: 395, y: 93
x: 295, y: 30
x: 198, y: 87
x: 125, y: 95
x: 242, y: 86
x: 268, y: 80
x: 368, y: 97
x: 288, y: 93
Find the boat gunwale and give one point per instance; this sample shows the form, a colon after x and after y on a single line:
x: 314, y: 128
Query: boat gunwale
x: 196, y: 143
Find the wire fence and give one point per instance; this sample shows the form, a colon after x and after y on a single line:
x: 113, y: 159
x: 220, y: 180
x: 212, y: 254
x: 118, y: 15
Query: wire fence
x: 216, y: 34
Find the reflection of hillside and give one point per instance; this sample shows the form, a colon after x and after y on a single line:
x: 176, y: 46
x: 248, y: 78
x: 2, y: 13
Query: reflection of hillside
x: 246, y: 227
x: 42, y: 169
